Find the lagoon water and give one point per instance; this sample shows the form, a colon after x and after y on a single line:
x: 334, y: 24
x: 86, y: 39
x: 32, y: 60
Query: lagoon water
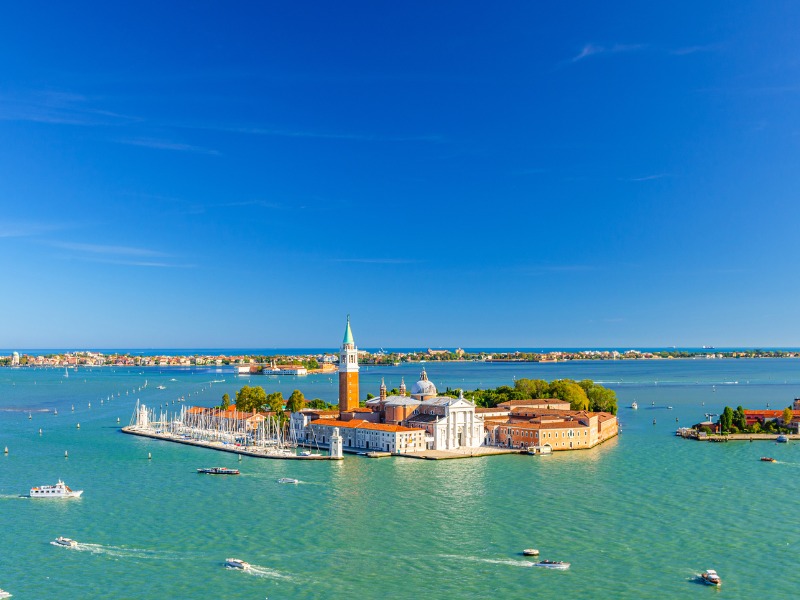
x: 638, y: 517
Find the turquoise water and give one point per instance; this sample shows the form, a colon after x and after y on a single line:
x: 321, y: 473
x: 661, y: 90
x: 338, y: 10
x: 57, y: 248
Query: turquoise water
x: 637, y: 517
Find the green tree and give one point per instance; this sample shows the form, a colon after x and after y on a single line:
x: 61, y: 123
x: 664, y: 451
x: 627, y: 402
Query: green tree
x: 533, y: 388
x: 726, y: 419
x: 275, y: 402
x: 569, y: 391
x: 739, y: 418
x: 318, y: 404
x: 226, y: 402
x: 296, y: 401
x: 251, y: 398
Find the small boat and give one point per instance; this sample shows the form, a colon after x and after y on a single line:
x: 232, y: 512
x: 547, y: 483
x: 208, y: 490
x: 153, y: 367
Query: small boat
x: 552, y: 564
x: 768, y: 459
x: 235, y: 563
x: 161, y: 387
x: 59, y: 490
x: 710, y: 577
x: 64, y: 541
x: 219, y: 471
x: 782, y: 439
x: 288, y: 480
x: 634, y: 405
x: 530, y: 552
x: 5, y: 594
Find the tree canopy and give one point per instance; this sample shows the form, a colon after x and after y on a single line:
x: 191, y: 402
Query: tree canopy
x: 296, y: 401
x: 251, y: 398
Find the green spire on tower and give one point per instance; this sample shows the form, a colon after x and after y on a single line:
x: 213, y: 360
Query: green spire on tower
x: 348, y: 334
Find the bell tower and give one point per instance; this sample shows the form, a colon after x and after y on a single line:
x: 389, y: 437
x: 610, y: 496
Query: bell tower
x: 348, y: 372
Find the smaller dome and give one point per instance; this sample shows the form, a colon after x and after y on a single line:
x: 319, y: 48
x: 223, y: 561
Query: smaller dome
x: 423, y: 387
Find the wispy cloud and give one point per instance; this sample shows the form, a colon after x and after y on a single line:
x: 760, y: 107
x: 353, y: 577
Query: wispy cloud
x: 695, y: 49
x: 594, y: 50
x: 377, y: 261
x: 130, y: 256
x: 325, y: 135
x: 166, y: 145
x: 140, y: 263
x: 104, y: 249
x: 57, y: 108
x: 9, y: 229
x: 647, y: 177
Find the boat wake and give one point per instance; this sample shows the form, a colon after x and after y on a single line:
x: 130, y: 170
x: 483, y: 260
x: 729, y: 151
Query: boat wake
x: 13, y: 497
x: 266, y: 572
x: 119, y: 552
x: 492, y: 561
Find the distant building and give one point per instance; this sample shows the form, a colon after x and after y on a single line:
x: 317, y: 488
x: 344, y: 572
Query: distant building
x: 15, y: 359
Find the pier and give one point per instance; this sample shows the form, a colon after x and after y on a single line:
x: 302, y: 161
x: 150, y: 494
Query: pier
x: 254, y: 451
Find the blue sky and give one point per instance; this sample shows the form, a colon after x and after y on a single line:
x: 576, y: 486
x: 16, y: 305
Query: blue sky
x: 526, y: 174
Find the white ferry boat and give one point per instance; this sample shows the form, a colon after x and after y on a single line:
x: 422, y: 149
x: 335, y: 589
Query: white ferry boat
x: 64, y: 541
x: 59, y: 490
x: 235, y: 563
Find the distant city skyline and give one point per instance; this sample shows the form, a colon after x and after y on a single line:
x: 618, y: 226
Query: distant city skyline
x: 201, y: 175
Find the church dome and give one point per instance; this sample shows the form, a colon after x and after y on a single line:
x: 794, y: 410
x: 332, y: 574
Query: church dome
x: 423, y: 387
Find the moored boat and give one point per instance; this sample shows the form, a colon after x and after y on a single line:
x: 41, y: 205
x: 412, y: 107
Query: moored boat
x: 530, y: 552
x: 64, y: 541
x: 634, y: 405
x: 768, y: 459
x: 235, y: 563
x: 782, y: 439
x: 710, y: 577
x: 552, y: 564
x: 219, y: 471
x: 288, y: 480
x: 59, y: 490
x: 5, y: 594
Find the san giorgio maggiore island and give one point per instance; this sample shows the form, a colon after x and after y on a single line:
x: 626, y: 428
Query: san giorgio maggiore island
x: 419, y: 423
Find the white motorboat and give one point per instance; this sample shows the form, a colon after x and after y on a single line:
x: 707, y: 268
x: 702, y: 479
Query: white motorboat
x: 552, y: 564
x: 634, y: 405
x: 161, y: 387
x: 530, y: 552
x: 59, y: 490
x: 288, y: 480
x: 5, y: 594
x: 235, y: 563
x: 710, y: 577
x: 64, y: 541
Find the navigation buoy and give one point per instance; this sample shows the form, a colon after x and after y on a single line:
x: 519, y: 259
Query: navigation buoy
x: 149, y: 456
